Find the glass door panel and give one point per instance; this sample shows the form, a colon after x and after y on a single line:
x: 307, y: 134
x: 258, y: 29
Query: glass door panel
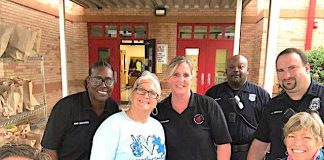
x: 220, y: 65
x: 104, y: 54
x: 192, y: 54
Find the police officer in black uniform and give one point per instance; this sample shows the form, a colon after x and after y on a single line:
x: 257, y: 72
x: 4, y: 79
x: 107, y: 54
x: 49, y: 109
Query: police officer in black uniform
x: 242, y: 103
x: 301, y: 94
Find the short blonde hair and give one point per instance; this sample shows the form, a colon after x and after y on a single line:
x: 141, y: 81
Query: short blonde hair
x: 304, y: 120
x: 147, y: 75
x: 176, y: 61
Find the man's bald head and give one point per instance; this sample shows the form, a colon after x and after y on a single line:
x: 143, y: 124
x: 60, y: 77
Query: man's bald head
x: 239, y: 58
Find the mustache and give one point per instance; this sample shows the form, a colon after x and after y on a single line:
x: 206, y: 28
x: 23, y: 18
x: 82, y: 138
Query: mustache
x: 291, y: 78
x: 235, y: 74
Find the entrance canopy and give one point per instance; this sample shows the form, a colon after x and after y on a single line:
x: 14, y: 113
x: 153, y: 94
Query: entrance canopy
x: 100, y: 4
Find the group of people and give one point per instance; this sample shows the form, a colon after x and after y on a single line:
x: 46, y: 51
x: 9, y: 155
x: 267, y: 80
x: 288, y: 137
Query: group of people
x: 235, y: 120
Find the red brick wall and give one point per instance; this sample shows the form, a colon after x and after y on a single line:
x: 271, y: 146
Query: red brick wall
x: 12, y: 13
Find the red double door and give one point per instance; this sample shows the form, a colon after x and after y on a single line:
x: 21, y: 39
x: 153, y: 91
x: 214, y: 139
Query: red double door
x: 209, y: 61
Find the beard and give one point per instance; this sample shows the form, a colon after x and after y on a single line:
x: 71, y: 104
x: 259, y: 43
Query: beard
x: 237, y: 82
x: 289, y: 86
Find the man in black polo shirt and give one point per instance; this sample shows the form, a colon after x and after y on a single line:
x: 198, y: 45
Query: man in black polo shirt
x: 75, y: 118
x: 242, y: 103
x: 301, y: 94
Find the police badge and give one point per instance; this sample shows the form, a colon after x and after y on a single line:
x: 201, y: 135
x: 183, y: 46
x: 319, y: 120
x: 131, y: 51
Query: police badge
x: 252, y: 97
x: 315, y: 104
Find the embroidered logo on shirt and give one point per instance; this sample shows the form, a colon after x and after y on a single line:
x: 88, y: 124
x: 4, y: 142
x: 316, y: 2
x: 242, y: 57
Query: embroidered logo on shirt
x: 81, y: 123
x: 252, y: 97
x: 199, y: 119
x: 315, y: 104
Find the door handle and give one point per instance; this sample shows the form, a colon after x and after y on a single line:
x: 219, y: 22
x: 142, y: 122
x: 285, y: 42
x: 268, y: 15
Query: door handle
x: 202, y: 78
x: 208, y: 79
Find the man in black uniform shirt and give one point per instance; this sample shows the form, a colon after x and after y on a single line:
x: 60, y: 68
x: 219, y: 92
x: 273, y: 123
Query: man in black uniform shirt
x: 75, y: 118
x: 301, y: 94
x: 242, y: 103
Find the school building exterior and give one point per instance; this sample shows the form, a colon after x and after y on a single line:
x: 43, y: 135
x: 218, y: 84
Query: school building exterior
x: 201, y: 33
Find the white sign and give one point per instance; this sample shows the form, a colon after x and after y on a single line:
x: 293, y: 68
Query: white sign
x: 162, y: 54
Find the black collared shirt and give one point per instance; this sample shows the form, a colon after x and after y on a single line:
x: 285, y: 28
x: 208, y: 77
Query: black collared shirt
x: 270, y: 129
x: 72, y: 124
x: 253, y: 98
x: 192, y: 135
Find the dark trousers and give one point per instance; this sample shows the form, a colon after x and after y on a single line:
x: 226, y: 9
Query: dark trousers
x: 239, y: 155
x: 239, y: 152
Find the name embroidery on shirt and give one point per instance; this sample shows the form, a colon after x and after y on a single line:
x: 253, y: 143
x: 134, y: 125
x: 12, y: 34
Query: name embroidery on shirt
x: 165, y: 121
x: 276, y: 112
x: 81, y: 123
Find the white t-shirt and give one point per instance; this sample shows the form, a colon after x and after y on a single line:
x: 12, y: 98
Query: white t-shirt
x: 121, y: 138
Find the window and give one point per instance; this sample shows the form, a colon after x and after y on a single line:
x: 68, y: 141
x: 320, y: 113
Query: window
x: 185, y: 32
x: 229, y: 32
x: 140, y: 32
x: 215, y: 32
x: 206, y: 31
x: 129, y: 31
x: 200, y: 32
x: 125, y: 31
x: 111, y: 31
x: 96, y: 31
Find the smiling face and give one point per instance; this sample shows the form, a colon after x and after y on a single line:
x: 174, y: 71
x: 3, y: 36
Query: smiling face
x: 293, y: 75
x: 302, y: 144
x: 144, y: 98
x: 100, y: 92
x: 180, y: 79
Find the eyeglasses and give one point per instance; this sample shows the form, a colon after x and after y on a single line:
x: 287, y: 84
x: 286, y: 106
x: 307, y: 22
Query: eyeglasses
x: 238, y: 102
x: 142, y: 91
x: 98, y: 80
